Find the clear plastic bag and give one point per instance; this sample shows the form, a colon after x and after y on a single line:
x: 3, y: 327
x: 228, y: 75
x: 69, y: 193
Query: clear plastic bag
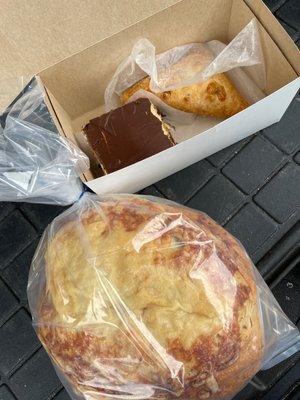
x: 36, y: 164
x: 192, y: 63
x: 135, y: 297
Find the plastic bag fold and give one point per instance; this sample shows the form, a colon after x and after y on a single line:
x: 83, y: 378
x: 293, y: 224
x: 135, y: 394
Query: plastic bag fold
x: 37, y: 165
x: 136, y: 297
x: 189, y: 64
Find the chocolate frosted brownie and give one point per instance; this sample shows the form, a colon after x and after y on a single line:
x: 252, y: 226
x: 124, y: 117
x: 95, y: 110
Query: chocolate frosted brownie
x: 127, y: 135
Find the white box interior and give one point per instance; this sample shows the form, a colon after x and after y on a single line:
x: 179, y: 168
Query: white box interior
x: 76, y: 85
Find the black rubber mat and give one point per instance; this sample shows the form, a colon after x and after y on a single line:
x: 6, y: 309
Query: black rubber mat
x: 252, y: 188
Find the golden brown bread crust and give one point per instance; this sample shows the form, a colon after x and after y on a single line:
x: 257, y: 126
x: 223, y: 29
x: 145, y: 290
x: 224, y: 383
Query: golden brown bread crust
x: 154, y: 301
x: 216, y: 97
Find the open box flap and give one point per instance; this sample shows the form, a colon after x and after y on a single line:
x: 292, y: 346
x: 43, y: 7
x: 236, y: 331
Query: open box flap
x: 34, y: 35
x: 277, y: 32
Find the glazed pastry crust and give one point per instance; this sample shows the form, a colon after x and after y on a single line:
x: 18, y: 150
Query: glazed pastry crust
x: 216, y: 97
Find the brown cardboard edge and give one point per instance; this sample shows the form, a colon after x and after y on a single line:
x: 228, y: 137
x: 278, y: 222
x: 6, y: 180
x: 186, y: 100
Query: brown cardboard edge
x: 86, y: 176
x: 276, y: 31
x: 50, y: 107
x: 108, y: 36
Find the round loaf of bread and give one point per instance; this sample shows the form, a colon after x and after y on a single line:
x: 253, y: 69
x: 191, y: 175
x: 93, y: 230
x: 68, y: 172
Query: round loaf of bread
x: 147, y: 300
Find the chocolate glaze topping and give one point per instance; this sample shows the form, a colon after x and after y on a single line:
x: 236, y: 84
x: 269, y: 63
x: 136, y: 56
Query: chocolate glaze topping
x: 126, y: 135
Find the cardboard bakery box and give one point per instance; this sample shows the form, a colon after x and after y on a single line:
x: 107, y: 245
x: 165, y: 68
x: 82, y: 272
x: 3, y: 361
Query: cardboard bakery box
x: 75, y: 86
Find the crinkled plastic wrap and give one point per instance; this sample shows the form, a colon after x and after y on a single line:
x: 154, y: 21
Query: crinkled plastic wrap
x: 192, y: 63
x: 36, y: 164
x: 135, y: 297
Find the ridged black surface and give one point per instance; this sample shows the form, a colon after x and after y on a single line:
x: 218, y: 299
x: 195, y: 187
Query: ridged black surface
x: 252, y: 188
